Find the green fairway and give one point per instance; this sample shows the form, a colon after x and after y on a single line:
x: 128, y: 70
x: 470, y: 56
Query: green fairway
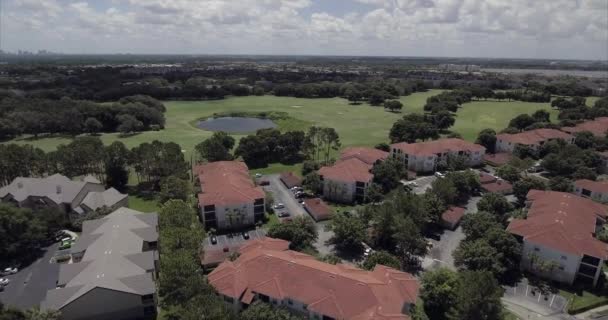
x: 478, y: 115
x: 356, y: 124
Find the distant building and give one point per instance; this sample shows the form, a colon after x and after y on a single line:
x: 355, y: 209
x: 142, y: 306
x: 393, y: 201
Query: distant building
x: 318, y: 209
x: 229, y: 199
x: 451, y: 218
x: 596, y: 190
x: 506, y: 142
x: 58, y: 191
x: 492, y: 184
x: 347, y: 180
x: 558, y: 237
x: 427, y: 156
x: 290, y: 180
x: 317, y: 290
x: 115, y: 263
x: 598, y: 126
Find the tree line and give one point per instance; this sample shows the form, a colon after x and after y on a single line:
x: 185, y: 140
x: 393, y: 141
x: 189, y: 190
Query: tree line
x: 25, y: 115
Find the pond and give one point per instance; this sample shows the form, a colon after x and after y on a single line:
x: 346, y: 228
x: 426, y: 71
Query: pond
x: 236, y: 124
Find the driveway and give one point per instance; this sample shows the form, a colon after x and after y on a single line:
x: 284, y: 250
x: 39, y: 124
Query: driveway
x: 28, y: 287
x: 440, y: 255
x: 424, y: 183
x: 322, y: 244
x: 283, y: 195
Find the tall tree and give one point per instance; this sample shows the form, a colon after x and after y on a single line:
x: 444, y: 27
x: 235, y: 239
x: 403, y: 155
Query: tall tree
x: 117, y: 165
x: 439, y: 292
x: 477, y: 298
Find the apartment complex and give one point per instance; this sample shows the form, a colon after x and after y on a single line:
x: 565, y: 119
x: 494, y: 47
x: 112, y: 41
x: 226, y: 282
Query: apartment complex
x: 598, y: 126
x: 229, y: 199
x: 348, y: 178
x: 58, y: 191
x: 596, y: 190
x: 428, y: 156
x: 534, y: 139
x: 314, y: 289
x: 558, y: 237
x: 115, y: 263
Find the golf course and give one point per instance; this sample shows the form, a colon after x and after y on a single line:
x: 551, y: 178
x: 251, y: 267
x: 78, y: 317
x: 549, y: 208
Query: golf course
x: 356, y: 124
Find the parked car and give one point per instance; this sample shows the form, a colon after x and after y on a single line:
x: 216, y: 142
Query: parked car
x: 245, y: 235
x: 278, y: 206
x: 264, y: 182
x: 258, y: 175
x: 284, y: 214
x: 4, y: 281
x: 60, y: 235
x: 65, y: 245
x: 439, y: 174
x: 213, y: 240
x: 9, y: 271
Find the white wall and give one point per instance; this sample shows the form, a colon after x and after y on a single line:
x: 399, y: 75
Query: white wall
x: 568, y: 261
x: 245, y: 208
x: 597, y: 196
x: 339, y: 191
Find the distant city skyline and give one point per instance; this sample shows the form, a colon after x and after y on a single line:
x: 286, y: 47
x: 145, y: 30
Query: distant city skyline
x: 542, y: 29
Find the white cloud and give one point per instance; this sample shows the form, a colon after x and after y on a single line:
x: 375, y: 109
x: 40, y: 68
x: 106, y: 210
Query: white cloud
x: 518, y: 28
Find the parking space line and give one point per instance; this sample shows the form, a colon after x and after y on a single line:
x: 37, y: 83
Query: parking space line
x: 552, y: 299
x: 539, y: 296
x: 527, y: 287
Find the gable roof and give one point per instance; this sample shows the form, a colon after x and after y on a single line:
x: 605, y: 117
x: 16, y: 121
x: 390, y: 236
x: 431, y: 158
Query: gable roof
x: 437, y: 146
x: 108, y: 198
x: 338, y: 291
x: 318, y: 209
x: 113, y: 259
x: 290, y: 179
x: 349, y: 170
x: 57, y: 188
x: 453, y: 214
x: 365, y: 154
x: 562, y: 221
x: 598, y: 126
x: 226, y: 183
x: 593, y: 186
x: 533, y: 137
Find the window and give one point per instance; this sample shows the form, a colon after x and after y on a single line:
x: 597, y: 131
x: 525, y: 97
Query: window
x: 228, y: 299
x: 289, y: 301
x: 561, y: 268
x: 564, y: 258
x: 147, y: 298
x: 305, y: 307
x: 536, y: 249
x: 586, y: 192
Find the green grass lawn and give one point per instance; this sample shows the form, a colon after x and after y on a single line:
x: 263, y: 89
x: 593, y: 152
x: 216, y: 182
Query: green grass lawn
x: 143, y: 205
x: 585, y: 301
x: 356, y: 124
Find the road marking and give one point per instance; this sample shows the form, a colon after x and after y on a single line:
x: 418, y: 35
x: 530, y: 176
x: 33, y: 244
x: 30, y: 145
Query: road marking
x: 527, y: 290
x: 539, y: 296
x: 552, y: 299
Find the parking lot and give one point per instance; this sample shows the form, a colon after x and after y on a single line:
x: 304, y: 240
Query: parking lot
x: 28, y: 287
x: 227, y: 240
x: 283, y: 195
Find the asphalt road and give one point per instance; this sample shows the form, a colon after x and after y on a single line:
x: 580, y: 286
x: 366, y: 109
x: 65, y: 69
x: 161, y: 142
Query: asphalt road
x: 285, y: 196
x: 28, y: 287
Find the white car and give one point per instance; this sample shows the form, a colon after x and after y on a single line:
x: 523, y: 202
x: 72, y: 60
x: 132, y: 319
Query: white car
x: 439, y: 174
x: 258, y: 175
x: 8, y: 271
x: 278, y: 206
x: 4, y: 281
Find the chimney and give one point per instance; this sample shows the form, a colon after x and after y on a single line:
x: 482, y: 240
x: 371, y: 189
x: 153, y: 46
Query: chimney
x: 58, y: 189
x: 20, y: 185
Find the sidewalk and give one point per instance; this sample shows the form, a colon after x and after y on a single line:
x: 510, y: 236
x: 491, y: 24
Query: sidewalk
x: 587, y: 314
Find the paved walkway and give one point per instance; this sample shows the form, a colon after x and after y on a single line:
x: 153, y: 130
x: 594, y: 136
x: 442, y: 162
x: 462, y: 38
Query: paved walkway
x: 590, y: 313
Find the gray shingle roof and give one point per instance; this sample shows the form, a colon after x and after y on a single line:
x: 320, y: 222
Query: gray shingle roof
x: 57, y: 188
x: 113, y: 259
x: 108, y: 198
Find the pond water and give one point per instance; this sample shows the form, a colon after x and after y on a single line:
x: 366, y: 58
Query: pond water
x: 236, y: 124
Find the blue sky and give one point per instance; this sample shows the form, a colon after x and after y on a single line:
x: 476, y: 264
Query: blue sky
x: 572, y: 29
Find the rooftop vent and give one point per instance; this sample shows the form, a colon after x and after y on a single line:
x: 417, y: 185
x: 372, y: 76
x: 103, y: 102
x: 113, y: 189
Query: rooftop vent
x: 20, y: 185
x: 58, y: 189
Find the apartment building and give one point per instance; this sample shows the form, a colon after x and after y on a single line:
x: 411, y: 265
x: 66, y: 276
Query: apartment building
x: 58, y: 191
x: 558, y: 237
x: 311, y: 288
x: 506, y: 142
x: 348, y: 178
x: 229, y: 199
x: 595, y: 190
x: 428, y: 156
x: 114, y: 266
x: 598, y: 126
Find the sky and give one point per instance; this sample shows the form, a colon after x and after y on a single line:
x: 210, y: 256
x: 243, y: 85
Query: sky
x: 549, y: 29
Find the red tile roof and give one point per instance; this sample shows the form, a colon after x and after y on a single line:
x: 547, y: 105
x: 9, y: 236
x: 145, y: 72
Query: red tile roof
x: 533, y: 137
x: 563, y: 222
x: 453, y: 214
x: 338, y: 291
x: 290, y: 179
x: 598, y: 127
x: 226, y: 183
x: 349, y: 170
x: 497, y: 159
x: 486, y: 178
x: 437, y: 146
x: 365, y: 154
x: 318, y: 209
x: 594, y: 186
x: 500, y: 186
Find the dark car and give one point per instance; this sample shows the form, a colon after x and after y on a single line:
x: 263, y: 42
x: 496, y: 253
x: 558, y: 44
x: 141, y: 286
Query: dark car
x: 245, y: 235
x: 283, y: 214
x: 213, y: 240
x: 264, y: 183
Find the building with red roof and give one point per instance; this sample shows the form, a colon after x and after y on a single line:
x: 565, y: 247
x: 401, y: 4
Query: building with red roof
x: 229, y: 199
x: 426, y: 156
x: 596, y: 190
x: 497, y: 159
x: 348, y: 178
x: 560, y: 231
x: 213, y: 255
x: 506, y: 142
x: 598, y: 126
x: 290, y: 180
x: 319, y: 290
x: 318, y: 209
x: 451, y: 218
x: 490, y: 183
